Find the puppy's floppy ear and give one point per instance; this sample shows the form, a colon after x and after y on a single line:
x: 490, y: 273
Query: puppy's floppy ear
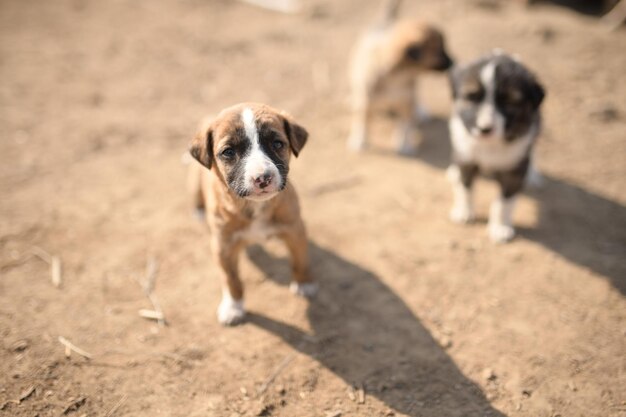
x: 296, y: 134
x: 537, y: 93
x: 201, y: 146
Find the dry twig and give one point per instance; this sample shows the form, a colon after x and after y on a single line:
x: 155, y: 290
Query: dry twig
x: 116, y: 406
x: 152, y: 267
x: 268, y: 381
x: 282, y: 6
x: 338, y: 185
x: 74, y: 405
x: 69, y: 347
x: 53, y: 261
x: 26, y: 394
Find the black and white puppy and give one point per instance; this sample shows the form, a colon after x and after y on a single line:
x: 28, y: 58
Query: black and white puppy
x: 494, y: 124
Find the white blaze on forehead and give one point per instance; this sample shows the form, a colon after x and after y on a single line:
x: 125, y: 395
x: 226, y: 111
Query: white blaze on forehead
x: 487, y: 111
x: 256, y: 162
x: 488, y: 75
x: 249, y: 125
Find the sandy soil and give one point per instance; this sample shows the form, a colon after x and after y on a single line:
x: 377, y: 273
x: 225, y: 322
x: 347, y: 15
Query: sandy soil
x: 97, y: 103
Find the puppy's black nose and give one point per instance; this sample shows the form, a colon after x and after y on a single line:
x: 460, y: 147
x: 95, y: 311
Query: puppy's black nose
x: 445, y: 62
x: 485, y: 130
x: 262, y: 181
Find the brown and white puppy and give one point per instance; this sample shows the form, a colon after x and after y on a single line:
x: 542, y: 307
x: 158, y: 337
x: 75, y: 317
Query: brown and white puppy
x: 494, y: 124
x: 383, y: 74
x: 242, y: 184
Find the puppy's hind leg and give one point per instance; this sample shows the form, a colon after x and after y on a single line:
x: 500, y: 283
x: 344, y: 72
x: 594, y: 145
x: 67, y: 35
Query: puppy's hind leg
x: 361, y: 113
x: 405, y: 130
x: 405, y: 138
x: 302, y: 284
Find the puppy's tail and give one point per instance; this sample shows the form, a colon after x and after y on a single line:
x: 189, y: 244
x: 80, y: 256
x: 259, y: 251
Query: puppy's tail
x: 389, y: 10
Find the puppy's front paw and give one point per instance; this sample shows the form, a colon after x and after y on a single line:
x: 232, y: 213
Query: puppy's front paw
x: 230, y: 312
x: 501, y: 233
x: 422, y: 115
x: 534, y: 179
x: 304, y: 289
x: 461, y: 214
x: 407, y: 149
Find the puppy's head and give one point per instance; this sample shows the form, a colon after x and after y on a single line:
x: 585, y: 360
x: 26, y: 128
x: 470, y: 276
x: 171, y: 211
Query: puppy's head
x: 249, y: 146
x: 496, y: 97
x: 419, y: 46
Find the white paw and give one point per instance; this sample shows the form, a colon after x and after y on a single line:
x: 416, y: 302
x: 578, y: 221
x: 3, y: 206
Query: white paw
x: 461, y: 214
x: 407, y: 149
x: 422, y: 114
x: 534, y: 179
x: 199, y: 213
x: 356, y: 142
x: 230, y: 312
x: 306, y: 289
x: 501, y: 233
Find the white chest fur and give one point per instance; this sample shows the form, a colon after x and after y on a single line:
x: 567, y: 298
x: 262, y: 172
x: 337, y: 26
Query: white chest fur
x: 488, y: 154
x: 260, y: 229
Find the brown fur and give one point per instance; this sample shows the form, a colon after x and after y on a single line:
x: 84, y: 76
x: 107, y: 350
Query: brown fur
x: 230, y: 217
x: 384, y: 66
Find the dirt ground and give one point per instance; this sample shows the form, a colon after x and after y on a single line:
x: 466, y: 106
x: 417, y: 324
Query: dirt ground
x: 416, y: 316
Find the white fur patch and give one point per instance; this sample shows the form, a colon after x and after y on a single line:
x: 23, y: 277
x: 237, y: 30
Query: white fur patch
x: 230, y: 311
x: 500, y: 226
x: 488, y: 116
x: 260, y: 229
x: 256, y: 162
x: 306, y: 289
x: 488, y: 154
x: 462, y: 210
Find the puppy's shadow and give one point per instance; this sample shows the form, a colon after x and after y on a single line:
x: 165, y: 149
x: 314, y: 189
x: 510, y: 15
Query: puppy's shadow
x: 583, y: 227
x: 364, y: 333
x: 434, y: 148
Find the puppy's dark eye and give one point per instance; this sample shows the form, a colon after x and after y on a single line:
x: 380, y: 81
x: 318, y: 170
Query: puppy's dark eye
x: 277, y: 145
x: 474, y: 96
x: 510, y: 99
x: 413, y: 52
x: 228, y: 153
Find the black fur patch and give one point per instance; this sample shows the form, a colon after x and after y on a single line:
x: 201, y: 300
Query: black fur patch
x: 267, y: 136
x: 518, y: 94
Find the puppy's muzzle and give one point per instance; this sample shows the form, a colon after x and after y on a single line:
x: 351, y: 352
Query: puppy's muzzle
x: 445, y: 62
x: 263, y: 180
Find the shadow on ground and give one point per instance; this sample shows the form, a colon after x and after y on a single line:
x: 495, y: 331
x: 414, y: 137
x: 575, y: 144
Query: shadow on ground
x: 584, y: 228
x: 365, y: 334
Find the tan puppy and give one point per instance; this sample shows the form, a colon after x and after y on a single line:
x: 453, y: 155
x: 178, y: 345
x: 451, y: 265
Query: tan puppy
x: 385, y: 63
x: 245, y: 193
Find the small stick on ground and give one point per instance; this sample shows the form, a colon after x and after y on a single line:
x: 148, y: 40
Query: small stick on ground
x: 268, y: 381
x: 53, y: 261
x: 283, y: 6
x: 152, y: 267
x: 26, y: 394
x: 361, y: 394
x: 151, y: 314
x: 74, y: 405
x: 69, y: 345
x: 338, y: 185
x: 116, y: 406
